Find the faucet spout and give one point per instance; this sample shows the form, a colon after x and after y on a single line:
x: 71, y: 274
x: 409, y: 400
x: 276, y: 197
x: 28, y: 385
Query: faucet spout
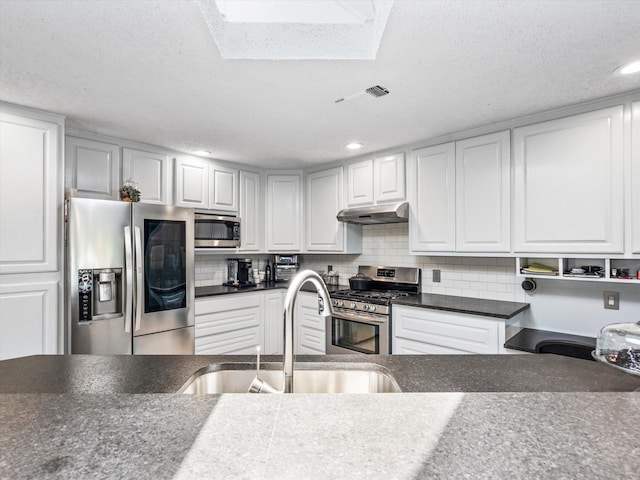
x: 324, y: 308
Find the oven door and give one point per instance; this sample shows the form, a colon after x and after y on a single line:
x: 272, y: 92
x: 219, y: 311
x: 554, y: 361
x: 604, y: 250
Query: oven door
x: 349, y: 333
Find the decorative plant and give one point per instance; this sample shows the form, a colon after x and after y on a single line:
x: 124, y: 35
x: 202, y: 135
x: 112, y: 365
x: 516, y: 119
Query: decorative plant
x: 129, y: 191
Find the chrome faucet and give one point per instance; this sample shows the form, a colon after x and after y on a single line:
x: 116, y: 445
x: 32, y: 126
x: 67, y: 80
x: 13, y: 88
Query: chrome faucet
x: 324, y: 308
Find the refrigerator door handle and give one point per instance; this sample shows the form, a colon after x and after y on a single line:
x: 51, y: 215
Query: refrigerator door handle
x: 128, y: 269
x: 139, y: 281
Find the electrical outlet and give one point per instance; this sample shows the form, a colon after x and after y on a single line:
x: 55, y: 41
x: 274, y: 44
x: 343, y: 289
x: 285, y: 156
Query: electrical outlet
x: 612, y: 300
x: 436, y: 276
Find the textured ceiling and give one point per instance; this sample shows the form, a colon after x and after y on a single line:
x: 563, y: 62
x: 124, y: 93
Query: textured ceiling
x: 149, y: 71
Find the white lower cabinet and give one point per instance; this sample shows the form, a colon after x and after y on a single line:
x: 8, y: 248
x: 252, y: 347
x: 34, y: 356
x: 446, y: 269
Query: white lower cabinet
x: 309, y: 326
x: 423, y: 330
x: 28, y: 314
x: 273, y: 323
x: 229, y: 324
x: 234, y: 324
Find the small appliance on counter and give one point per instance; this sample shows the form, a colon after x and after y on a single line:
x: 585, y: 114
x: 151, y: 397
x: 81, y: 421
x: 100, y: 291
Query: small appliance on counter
x: 285, y: 267
x: 239, y: 273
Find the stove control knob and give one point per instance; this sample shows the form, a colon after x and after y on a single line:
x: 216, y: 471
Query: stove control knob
x: 372, y: 308
x: 353, y: 305
x: 339, y: 303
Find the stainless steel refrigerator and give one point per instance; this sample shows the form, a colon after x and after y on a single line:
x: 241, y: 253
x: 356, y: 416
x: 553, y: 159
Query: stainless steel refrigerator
x: 130, y: 278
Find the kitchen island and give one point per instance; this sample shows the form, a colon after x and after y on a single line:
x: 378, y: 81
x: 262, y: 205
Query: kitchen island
x: 491, y: 416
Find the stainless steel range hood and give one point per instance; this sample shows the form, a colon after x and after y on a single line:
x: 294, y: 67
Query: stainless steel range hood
x: 377, y: 214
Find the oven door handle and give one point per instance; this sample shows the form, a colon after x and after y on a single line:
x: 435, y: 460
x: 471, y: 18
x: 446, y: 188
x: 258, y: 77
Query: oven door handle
x: 356, y: 317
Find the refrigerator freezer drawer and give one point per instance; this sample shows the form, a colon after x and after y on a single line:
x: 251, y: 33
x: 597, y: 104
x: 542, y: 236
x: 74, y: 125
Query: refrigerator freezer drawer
x: 172, y: 342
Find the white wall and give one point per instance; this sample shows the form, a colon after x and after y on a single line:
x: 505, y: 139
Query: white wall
x: 559, y: 305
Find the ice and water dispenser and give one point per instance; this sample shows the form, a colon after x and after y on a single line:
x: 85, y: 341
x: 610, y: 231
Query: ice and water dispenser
x: 99, y: 293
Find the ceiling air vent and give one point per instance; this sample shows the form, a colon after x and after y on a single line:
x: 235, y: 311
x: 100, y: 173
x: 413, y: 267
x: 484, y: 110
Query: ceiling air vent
x: 377, y: 91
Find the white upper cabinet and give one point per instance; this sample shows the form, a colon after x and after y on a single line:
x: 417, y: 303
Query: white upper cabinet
x: 381, y: 180
x: 223, y: 188
x: 432, y: 225
x: 151, y: 171
x: 324, y: 199
x: 635, y: 177
x: 201, y: 183
x: 92, y: 168
x: 483, y: 177
x: 568, y: 184
x: 251, y: 216
x: 29, y: 193
x: 191, y: 182
x: 284, y: 213
x: 360, y: 183
x: 389, y: 178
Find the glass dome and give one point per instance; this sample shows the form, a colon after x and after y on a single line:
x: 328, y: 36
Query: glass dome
x: 618, y: 345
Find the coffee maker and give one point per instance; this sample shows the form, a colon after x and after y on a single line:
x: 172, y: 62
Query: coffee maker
x: 239, y: 272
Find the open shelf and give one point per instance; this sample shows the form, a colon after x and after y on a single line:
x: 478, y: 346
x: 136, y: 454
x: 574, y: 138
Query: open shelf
x: 595, y: 269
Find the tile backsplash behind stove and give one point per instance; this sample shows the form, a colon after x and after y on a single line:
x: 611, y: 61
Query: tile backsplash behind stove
x: 477, y: 277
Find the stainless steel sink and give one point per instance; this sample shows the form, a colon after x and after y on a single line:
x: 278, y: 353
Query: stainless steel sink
x: 308, y: 378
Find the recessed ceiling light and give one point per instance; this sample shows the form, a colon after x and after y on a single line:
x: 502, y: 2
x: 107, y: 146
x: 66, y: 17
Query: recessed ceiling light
x: 629, y: 68
x: 354, y: 146
x: 201, y: 152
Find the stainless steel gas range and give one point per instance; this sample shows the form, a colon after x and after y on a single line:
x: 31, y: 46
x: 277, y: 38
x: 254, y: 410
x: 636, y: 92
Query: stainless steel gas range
x: 361, y: 320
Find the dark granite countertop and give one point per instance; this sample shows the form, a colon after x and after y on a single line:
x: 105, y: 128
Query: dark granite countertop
x: 81, y: 416
x: 215, y: 290
x: 474, y: 306
x: 414, y: 373
x: 529, y: 339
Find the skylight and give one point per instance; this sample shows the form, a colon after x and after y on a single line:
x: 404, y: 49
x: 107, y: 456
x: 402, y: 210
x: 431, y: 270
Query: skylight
x: 296, y: 29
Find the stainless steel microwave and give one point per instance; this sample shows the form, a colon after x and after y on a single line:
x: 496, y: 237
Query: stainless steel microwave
x: 216, y: 231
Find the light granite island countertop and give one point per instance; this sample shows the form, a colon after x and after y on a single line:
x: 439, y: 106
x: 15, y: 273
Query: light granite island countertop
x: 464, y: 417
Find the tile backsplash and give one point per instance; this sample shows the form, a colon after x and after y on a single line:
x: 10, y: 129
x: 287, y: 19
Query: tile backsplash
x: 477, y: 277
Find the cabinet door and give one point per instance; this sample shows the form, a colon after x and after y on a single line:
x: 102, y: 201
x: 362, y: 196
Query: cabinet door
x: 92, y: 168
x: 191, y: 182
x: 445, y: 332
x: 223, y: 188
x: 432, y: 225
x: 360, y: 183
x: 309, y: 326
x: 29, y: 194
x: 324, y: 200
x: 151, y: 171
x: 251, y: 208
x: 273, y: 323
x: 389, y: 178
x: 28, y: 319
x: 483, y: 177
x: 284, y: 213
x: 229, y: 325
x: 635, y: 177
x: 568, y: 184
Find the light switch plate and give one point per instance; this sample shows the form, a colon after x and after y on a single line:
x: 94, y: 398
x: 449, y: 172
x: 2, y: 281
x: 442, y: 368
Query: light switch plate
x: 612, y: 300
